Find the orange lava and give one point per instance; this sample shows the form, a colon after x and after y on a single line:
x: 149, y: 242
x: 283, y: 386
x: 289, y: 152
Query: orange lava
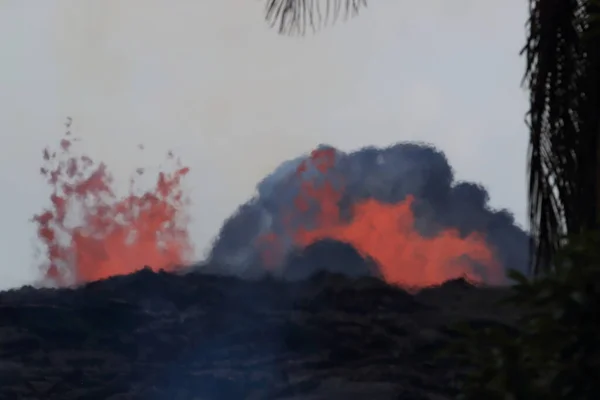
x: 90, y: 233
x: 386, y: 233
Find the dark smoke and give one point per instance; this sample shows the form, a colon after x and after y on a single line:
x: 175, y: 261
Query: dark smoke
x: 388, y: 175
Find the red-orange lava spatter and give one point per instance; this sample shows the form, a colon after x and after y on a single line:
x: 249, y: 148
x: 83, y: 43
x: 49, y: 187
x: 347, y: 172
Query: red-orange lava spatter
x: 90, y: 233
x: 386, y: 233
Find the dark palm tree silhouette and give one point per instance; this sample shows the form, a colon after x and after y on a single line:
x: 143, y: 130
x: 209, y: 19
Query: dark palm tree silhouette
x: 563, y: 77
x: 562, y: 52
x: 297, y: 16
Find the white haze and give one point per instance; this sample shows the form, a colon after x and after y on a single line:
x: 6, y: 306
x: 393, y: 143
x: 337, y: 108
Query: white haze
x: 209, y: 80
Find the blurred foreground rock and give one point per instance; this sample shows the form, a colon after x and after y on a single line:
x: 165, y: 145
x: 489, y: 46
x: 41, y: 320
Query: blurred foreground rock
x: 165, y: 336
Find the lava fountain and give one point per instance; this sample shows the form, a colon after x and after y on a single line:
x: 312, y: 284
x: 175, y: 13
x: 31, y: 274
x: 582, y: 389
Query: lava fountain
x: 383, y: 232
x: 91, y: 233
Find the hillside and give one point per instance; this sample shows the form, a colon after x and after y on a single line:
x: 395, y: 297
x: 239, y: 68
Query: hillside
x: 167, y: 336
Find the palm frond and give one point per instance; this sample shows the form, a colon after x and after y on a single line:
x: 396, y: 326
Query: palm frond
x: 562, y: 76
x: 294, y: 17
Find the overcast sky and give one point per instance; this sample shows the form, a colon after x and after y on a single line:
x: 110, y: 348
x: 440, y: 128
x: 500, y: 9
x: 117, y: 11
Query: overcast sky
x: 211, y: 81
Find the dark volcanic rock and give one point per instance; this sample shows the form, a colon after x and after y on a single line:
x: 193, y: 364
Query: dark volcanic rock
x: 196, y: 336
x: 328, y: 255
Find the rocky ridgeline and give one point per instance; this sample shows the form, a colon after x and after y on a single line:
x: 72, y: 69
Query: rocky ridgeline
x: 166, y: 336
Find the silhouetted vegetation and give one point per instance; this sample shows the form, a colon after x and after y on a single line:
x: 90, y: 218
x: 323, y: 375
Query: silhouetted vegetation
x: 563, y: 78
x: 555, y: 354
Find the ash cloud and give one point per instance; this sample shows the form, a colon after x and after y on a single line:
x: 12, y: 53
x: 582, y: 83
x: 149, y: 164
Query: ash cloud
x: 388, y: 175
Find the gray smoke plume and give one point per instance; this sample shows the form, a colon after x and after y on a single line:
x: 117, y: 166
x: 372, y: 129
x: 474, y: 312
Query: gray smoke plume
x: 388, y: 175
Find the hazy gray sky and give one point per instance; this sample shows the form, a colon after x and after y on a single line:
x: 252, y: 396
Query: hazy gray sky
x: 211, y: 81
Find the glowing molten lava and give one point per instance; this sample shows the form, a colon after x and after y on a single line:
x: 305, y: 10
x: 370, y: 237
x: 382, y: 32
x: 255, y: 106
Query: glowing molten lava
x: 386, y: 233
x: 90, y: 233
